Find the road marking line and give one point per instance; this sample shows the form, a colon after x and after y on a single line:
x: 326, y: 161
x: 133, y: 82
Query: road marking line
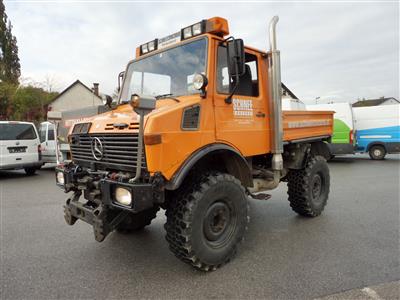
x: 371, y: 293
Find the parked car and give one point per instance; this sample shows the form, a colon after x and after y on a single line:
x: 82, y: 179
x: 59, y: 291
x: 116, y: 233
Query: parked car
x: 47, y: 142
x: 19, y: 147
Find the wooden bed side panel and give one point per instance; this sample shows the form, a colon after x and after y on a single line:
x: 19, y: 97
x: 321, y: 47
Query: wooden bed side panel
x: 305, y: 124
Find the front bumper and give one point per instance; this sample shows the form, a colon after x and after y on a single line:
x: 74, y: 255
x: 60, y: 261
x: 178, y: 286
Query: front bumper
x: 101, y: 210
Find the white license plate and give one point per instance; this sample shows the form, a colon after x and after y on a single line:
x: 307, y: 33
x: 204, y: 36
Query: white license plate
x: 17, y: 150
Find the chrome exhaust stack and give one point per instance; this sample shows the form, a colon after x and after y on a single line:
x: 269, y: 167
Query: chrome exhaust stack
x: 275, y: 92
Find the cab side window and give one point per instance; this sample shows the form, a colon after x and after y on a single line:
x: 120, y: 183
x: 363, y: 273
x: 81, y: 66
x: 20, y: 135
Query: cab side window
x: 42, y: 133
x: 51, y: 134
x: 248, y: 82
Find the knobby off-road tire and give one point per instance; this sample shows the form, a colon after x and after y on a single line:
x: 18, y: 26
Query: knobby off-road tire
x: 206, y: 220
x: 135, y: 222
x: 308, y: 189
x: 377, y: 152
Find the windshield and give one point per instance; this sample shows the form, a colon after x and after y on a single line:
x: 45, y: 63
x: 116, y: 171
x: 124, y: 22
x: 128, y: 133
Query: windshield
x: 168, y: 72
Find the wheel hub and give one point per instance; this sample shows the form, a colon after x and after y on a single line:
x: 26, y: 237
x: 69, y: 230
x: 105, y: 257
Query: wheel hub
x: 316, y: 187
x: 377, y: 152
x: 216, y: 221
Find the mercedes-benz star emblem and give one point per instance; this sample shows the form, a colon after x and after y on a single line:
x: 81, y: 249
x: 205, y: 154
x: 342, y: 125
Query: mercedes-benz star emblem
x: 97, y: 148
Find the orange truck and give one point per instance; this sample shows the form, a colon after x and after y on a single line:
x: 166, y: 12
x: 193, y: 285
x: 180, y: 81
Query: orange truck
x: 198, y: 130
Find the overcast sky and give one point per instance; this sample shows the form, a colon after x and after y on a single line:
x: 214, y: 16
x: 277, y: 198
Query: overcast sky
x: 336, y: 51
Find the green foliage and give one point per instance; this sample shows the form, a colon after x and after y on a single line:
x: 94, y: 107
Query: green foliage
x: 7, y: 91
x: 24, y: 103
x: 10, y: 68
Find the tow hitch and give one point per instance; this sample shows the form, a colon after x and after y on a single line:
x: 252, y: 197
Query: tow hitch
x: 102, y: 219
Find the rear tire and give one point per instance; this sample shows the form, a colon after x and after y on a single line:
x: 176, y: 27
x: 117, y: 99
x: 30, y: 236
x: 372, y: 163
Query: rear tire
x: 207, y: 220
x: 377, y: 152
x: 30, y: 171
x: 135, y: 222
x: 308, y: 189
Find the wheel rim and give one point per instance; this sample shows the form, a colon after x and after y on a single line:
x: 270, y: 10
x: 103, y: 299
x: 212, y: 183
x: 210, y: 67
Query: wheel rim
x: 377, y: 152
x: 316, y: 188
x: 219, y: 223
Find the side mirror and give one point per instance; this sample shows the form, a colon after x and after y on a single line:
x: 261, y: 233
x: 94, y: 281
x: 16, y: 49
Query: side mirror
x: 120, y: 79
x: 109, y: 100
x: 236, y: 59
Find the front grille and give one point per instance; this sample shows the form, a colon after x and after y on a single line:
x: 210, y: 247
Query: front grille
x: 119, y: 151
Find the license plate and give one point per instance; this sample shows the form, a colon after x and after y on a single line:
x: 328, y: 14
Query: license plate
x: 17, y: 149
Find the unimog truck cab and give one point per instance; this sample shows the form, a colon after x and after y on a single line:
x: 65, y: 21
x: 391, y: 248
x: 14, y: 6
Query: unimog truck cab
x: 198, y: 130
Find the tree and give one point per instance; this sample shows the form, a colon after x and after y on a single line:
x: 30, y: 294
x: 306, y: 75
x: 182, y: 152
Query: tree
x: 24, y: 103
x: 7, y: 92
x: 10, y: 68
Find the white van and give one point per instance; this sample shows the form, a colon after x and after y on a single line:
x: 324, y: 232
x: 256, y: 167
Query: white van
x: 19, y: 147
x: 378, y: 129
x: 47, y: 142
x: 343, y: 141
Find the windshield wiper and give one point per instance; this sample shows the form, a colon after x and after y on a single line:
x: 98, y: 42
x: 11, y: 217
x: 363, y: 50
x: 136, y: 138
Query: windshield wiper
x: 165, y: 96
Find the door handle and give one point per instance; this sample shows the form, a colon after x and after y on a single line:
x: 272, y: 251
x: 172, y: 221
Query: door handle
x: 260, y: 115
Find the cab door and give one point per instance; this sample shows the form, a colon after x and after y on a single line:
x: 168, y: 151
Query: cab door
x: 242, y: 123
x: 47, y: 142
x: 51, y: 143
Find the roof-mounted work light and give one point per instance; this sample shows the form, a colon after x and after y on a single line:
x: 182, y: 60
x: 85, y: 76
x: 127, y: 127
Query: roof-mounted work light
x: 193, y: 30
x: 217, y: 26
x: 149, y: 47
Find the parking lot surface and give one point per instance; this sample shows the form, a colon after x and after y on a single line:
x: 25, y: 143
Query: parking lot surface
x: 353, y: 244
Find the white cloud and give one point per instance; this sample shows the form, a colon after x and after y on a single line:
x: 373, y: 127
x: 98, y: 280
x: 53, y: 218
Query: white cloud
x: 336, y: 51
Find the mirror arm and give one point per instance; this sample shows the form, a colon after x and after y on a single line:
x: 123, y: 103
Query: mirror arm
x: 203, y: 93
x: 228, y: 100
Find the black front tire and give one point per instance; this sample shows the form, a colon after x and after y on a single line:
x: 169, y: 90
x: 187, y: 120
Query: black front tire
x: 377, y: 152
x: 30, y: 171
x: 135, y: 222
x: 308, y: 189
x: 207, y: 220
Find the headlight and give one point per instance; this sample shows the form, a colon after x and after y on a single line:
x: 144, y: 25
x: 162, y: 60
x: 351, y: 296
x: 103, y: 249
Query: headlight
x: 60, y: 177
x: 199, y: 81
x: 123, y: 196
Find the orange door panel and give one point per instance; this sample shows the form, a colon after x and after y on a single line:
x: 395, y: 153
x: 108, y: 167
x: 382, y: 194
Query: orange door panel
x: 242, y: 123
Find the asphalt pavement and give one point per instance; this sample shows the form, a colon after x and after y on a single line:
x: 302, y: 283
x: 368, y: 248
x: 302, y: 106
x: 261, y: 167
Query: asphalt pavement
x: 352, y: 245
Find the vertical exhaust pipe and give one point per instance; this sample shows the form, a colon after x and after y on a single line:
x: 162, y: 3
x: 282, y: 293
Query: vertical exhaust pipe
x: 275, y: 92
